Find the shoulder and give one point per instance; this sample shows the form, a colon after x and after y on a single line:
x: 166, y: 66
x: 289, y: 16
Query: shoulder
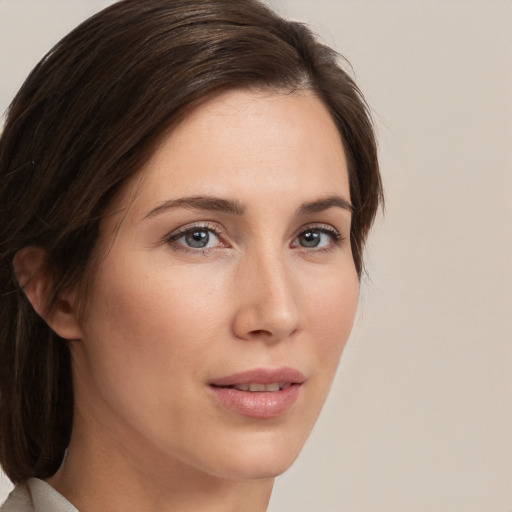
x: 18, y: 501
x: 36, y: 496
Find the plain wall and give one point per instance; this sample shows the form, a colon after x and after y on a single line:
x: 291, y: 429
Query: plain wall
x: 420, y: 415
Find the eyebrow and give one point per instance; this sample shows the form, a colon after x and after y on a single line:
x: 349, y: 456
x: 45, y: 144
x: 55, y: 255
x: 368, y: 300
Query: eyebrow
x: 215, y: 204
x: 234, y: 207
x: 324, y: 204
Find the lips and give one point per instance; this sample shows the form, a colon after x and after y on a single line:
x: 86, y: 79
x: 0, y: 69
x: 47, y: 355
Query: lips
x: 259, y: 393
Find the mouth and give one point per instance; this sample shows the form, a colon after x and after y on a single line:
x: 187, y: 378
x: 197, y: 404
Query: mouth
x: 259, y: 393
x: 256, y: 387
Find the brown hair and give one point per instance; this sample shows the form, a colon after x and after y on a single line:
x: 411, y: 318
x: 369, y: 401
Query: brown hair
x: 85, y: 120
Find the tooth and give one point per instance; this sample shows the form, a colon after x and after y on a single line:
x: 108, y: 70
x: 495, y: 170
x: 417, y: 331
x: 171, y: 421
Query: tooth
x: 256, y: 387
x: 260, y: 388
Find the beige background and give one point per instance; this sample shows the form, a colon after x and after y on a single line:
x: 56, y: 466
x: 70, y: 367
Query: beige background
x: 420, y: 417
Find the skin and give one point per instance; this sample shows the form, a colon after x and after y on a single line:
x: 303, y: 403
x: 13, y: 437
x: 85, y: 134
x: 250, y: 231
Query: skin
x: 165, y: 319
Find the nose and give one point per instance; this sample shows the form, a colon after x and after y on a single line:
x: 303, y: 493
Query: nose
x: 267, y: 303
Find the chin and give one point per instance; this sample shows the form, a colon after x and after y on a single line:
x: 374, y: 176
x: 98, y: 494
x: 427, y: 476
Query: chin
x: 258, y: 458
x: 251, y: 469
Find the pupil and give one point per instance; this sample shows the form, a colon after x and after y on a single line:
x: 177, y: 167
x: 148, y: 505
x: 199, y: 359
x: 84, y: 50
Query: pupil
x: 197, y: 239
x: 310, y: 239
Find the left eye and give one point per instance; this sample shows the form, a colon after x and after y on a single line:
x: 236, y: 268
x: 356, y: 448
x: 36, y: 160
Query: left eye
x: 196, y: 238
x: 314, y: 238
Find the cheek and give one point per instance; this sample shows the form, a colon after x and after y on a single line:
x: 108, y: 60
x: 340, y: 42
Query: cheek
x: 150, y: 322
x: 146, y: 341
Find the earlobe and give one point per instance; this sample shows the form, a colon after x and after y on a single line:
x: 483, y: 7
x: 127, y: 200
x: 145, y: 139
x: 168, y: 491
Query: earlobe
x: 36, y: 281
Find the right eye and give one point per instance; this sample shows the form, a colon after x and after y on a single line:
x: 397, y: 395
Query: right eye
x: 195, y: 238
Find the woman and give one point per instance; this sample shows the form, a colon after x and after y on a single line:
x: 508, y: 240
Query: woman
x: 187, y: 187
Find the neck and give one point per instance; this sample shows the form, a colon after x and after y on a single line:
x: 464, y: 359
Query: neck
x: 100, y: 474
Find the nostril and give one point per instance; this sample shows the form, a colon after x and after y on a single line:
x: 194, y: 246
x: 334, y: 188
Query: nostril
x: 261, y: 332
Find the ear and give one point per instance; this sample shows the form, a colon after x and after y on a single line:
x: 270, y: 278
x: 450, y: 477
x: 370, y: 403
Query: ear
x: 36, y: 281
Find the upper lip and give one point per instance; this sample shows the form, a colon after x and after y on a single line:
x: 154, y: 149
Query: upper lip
x: 261, y: 376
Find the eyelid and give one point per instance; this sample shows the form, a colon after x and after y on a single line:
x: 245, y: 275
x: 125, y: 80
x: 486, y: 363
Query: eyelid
x: 173, y: 235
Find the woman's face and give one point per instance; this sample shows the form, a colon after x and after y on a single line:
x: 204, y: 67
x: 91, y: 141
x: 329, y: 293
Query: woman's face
x: 226, y: 292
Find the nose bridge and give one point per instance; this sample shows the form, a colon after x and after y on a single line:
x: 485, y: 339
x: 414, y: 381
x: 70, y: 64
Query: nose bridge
x: 268, y: 302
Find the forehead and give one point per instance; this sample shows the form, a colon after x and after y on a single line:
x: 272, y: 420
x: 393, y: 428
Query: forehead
x: 245, y: 144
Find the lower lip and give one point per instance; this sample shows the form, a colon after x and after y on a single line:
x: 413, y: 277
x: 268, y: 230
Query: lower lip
x: 253, y: 404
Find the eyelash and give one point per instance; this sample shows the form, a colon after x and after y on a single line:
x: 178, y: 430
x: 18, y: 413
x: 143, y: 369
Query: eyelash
x: 172, y: 239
